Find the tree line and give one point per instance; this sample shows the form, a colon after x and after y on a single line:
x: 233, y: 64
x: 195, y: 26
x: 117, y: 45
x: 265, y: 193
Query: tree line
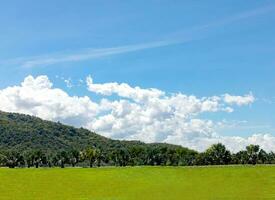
x: 156, y: 155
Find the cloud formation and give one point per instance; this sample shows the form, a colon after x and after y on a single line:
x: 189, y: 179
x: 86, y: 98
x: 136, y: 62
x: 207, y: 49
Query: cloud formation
x: 133, y: 113
x: 123, y: 90
x: 239, y: 100
x: 36, y: 96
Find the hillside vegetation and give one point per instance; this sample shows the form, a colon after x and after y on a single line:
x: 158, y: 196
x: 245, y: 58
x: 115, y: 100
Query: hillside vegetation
x: 23, y: 132
x: 27, y: 141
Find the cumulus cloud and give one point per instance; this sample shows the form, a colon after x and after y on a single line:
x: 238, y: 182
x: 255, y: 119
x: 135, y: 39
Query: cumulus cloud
x: 123, y: 90
x: 134, y: 113
x: 36, y: 96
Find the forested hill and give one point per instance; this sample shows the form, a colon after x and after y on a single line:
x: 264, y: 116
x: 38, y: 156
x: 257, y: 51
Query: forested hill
x: 30, y: 141
x: 24, y: 132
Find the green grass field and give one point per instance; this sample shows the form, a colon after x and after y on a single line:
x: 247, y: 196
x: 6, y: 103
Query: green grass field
x: 139, y: 183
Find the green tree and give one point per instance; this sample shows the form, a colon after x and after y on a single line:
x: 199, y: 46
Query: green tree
x: 29, y: 158
x: 74, y: 157
x: 240, y: 157
x: 201, y: 159
x: 2, y: 159
x: 217, y: 154
x: 90, y: 155
x: 61, y: 159
x: 120, y: 157
x: 98, y: 157
x: 271, y: 158
x: 252, y: 153
x: 13, y: 159
x: 38, y: 158
x: 262, y: 157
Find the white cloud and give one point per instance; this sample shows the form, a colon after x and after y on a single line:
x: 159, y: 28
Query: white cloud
x: 68, y: 83
x: 89, y: 53
x: 239, y: 100
x: 124, y: 90
x: 149, y: 115
x: 36, y: 96
x: 235, y: 143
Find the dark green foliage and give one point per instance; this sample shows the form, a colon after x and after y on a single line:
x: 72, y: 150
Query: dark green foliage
x: 45, y: 143
x: 12, y: 159
x: 74, y: 157
x: 23, y: 132
x: 217, y: 154
x: 252, y: 153
x: 27, y: 141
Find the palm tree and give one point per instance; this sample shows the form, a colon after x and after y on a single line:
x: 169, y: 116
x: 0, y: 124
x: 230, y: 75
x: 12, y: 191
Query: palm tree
x: 13, y: 159
x: 90, y: 155
x: 61, y: 159
x: 29, y: 158
x: 74, y: 157
x: 98, y: 157
x: 38, y: 158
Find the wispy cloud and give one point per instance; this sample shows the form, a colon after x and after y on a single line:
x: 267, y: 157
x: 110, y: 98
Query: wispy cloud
x: 86, y: 54
x: 89, y: 53
x: 269, y: 100
x: 240, y: 125
x: 238, y: 17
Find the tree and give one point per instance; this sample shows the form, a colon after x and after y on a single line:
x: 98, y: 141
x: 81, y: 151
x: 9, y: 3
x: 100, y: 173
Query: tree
x: 172, y: 157
x: 120, y: 156
x: 186, y: 157
x: 137, y: 155
x: 2, y: 159
x: 98, y: 157
x: 38, y: 158
x: 28, y: 157
x: 201, y: 159
x: 252, y: 153
x: 217, y: 154
x: 241, y: 157
x: 156, y: 156
x: 90, y: 155
x: 13, y: 159
x: 262, y: 157
x: 74, y: 157
x: 61, y: 159
x: 50, y: 160
x: 271, y: 158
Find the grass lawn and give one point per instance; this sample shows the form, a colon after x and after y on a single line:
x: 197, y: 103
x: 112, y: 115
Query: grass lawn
x: 141, y: 183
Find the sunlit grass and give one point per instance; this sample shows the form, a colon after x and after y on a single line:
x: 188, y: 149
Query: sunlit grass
x: 141, y: 183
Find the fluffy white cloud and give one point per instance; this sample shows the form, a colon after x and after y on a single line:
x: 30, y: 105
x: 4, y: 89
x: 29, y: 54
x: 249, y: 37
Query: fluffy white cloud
x: 36, y: 96
x: 149, y: 115
x: 239, y: 100
x: 123, y: 90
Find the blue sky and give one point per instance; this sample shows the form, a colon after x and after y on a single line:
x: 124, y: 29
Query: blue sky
x: 202, y: 48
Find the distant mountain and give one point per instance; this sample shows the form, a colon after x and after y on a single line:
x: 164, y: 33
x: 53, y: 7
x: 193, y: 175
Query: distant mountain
x: 24, y: 132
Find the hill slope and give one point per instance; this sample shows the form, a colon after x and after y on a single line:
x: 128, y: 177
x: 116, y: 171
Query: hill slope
x: 23, y: 132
